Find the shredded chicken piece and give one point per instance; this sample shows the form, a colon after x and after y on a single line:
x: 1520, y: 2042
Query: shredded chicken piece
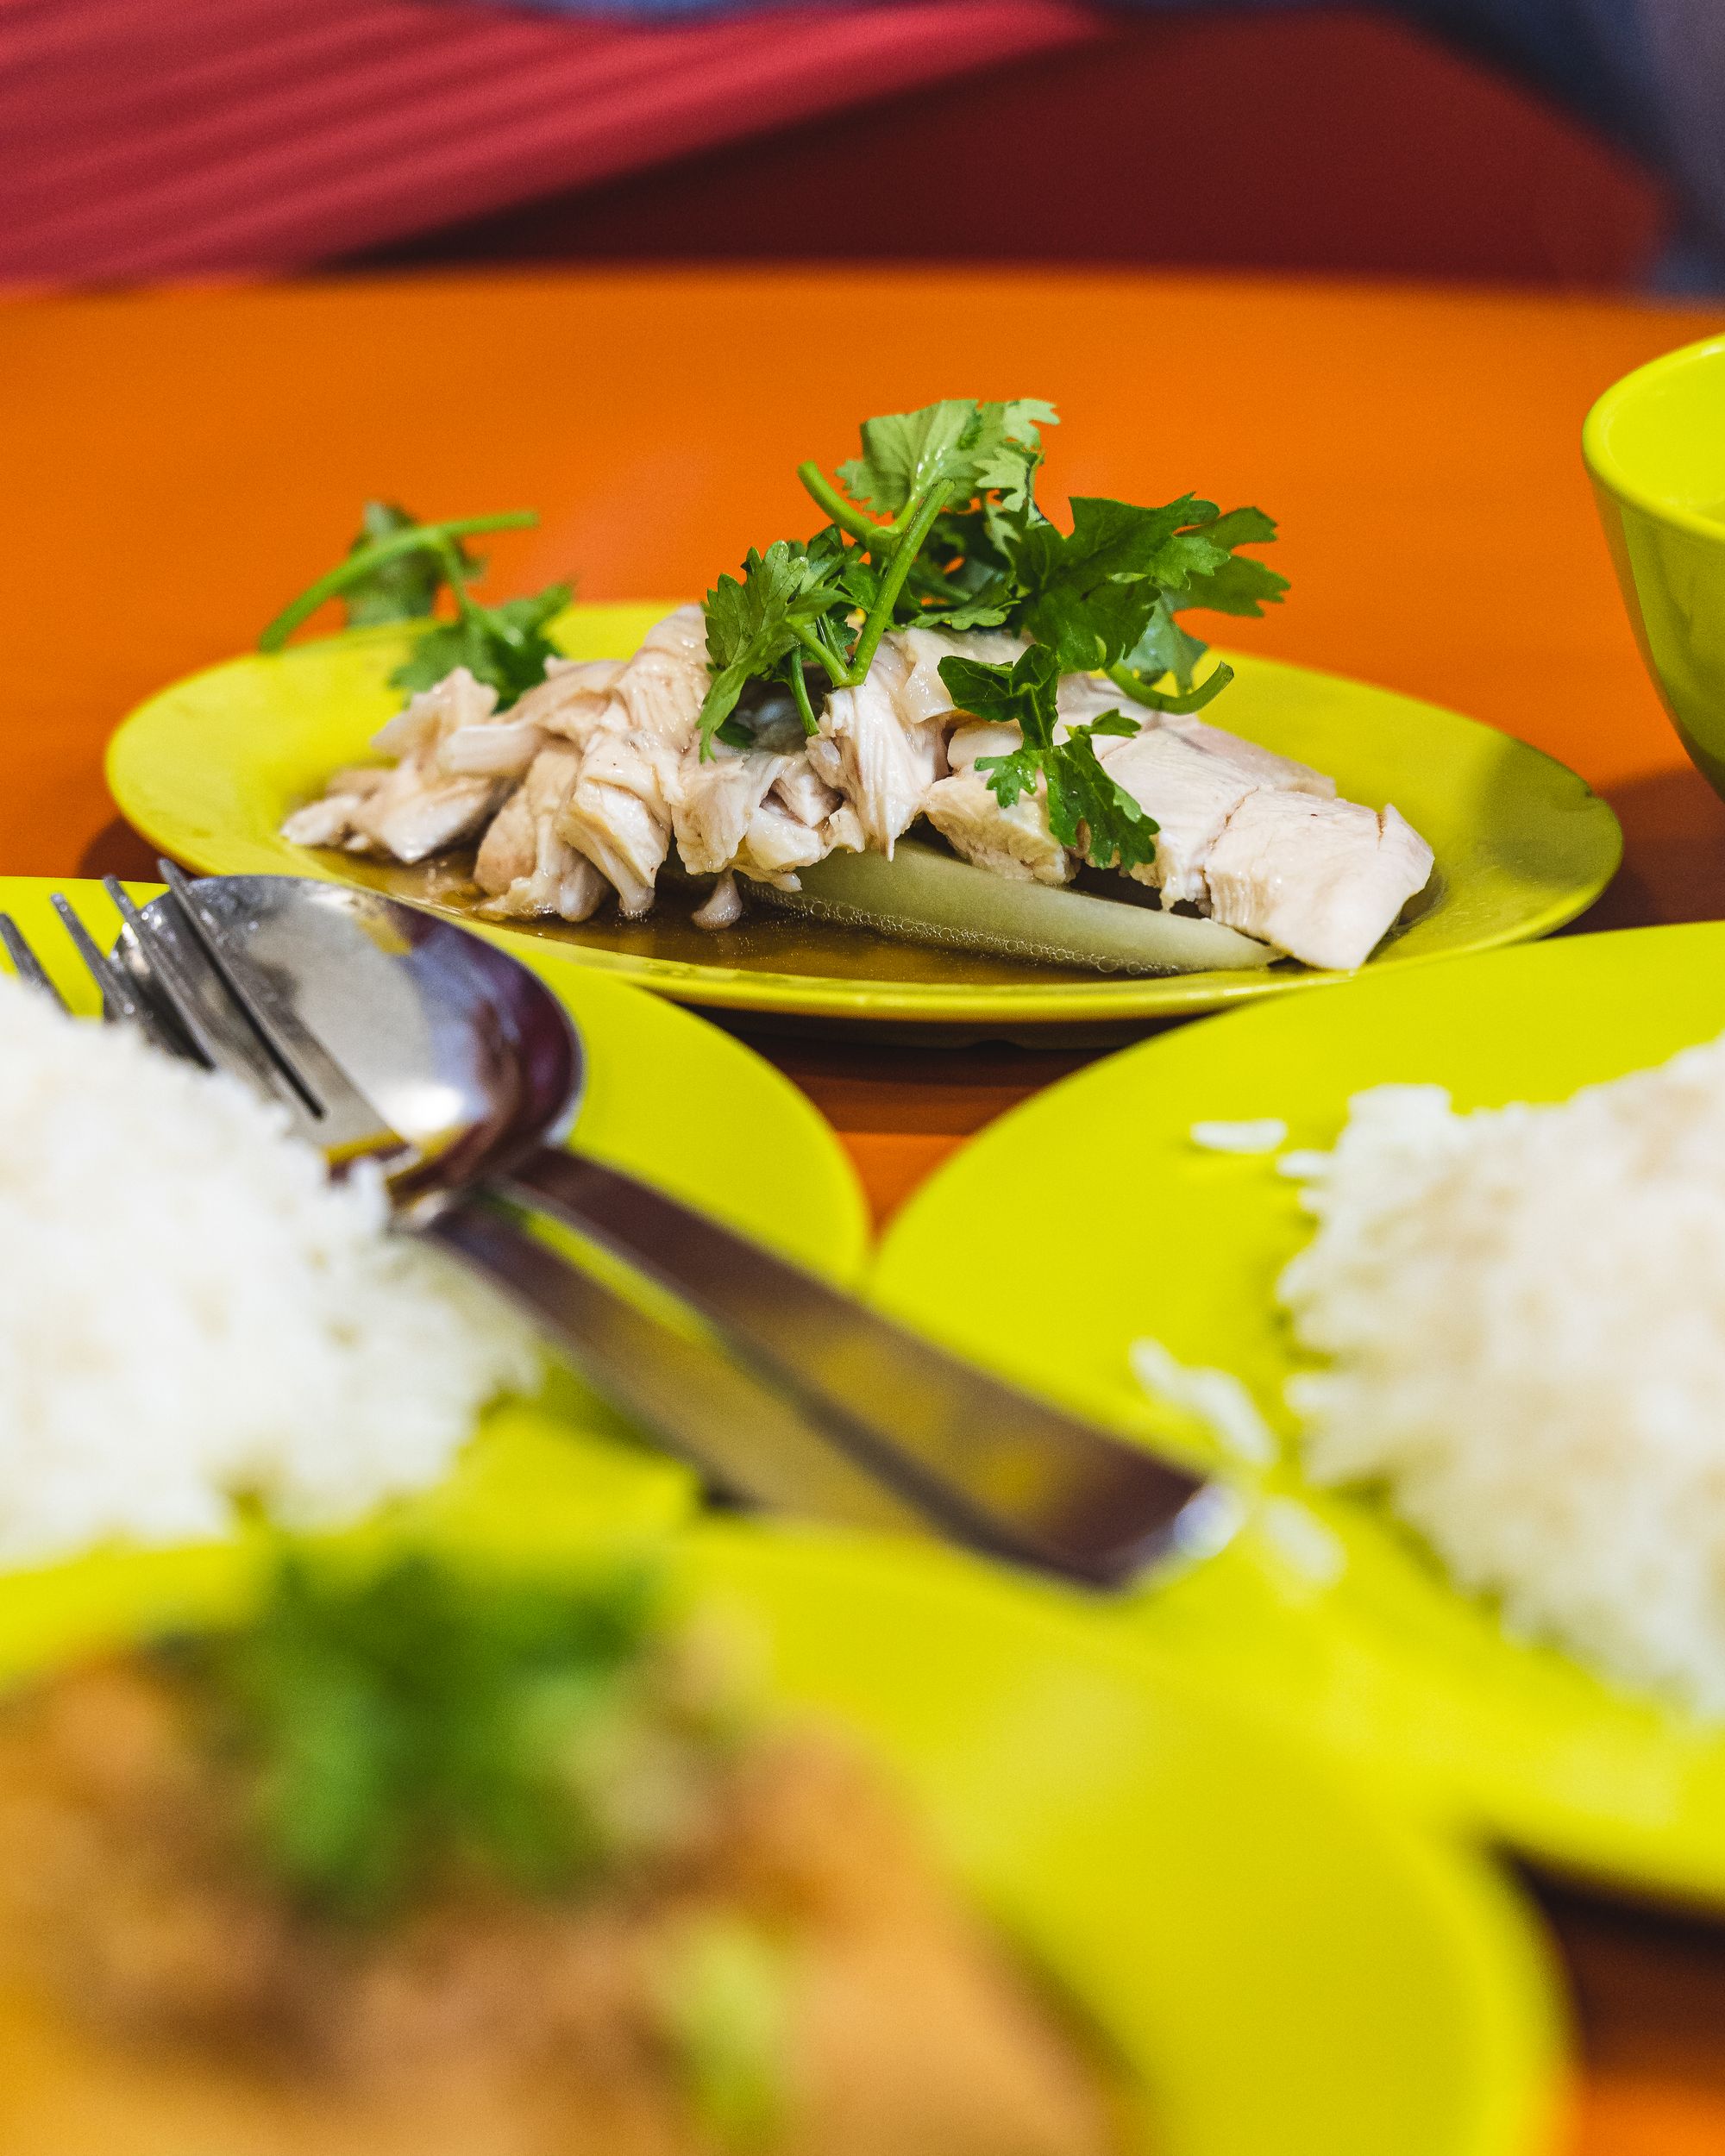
x: 716, y: 802
x: 619, y: 810
x: 882, y: 764
x: 723, y: 906
x: 424, y: 804
x: 608, y: 773
x: 527, y: 871
x: 964, y: 809
x: 572, y: 699
x: 1323, y: 879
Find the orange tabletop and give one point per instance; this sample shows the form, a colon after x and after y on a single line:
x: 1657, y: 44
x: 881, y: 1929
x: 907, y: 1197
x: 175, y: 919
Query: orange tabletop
x: 179, y: 463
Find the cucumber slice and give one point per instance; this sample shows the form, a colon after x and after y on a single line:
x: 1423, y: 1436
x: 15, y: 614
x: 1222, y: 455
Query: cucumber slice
x: 932, y: 896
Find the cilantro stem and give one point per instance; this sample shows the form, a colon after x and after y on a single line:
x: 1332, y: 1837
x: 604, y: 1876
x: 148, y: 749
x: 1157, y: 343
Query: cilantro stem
x: 835, y: 667
x: 1134, y: 685
x: 876, y: 538
x: 450, y: 555
x: 417, y: 539
x: 905, y: 553
x: 799, y: 689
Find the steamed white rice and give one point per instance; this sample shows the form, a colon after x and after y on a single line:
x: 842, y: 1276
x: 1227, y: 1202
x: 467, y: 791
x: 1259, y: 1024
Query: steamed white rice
x: 1524, y: 1313
x: 191, y: 1314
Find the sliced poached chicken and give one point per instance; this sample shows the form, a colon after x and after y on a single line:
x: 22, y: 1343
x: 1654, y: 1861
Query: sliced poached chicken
x: 585, y: 785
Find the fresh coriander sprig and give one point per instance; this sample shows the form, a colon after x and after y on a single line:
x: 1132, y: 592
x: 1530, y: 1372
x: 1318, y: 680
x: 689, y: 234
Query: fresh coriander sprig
x: 936, y: 524
x: 394, y: 571
x: 915, y: 468
x: 1088, y: 811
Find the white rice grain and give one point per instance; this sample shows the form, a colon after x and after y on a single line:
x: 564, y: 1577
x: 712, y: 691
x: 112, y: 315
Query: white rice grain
x: 1523, y: 1314
x: 191, y: 1314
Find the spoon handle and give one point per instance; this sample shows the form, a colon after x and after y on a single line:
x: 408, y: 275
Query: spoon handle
x: 986, y: 1464
x: 746, y: 1440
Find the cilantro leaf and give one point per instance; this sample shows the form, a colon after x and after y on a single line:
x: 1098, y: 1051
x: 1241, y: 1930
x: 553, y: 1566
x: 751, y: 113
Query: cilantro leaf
x: 1165, y: 648
x: 403, y: 587
x: 1087, y: 810
x: 1090, y: 812
x: 1021, y: 694
x: 1091, y: 593
x: 1239, y: 586
x: 759, y: 626
x: 970, y: 447
x: 505, y: 645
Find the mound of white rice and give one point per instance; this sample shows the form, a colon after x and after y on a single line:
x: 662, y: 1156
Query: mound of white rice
x: 190, y: 1313
x: 1524, y: 1311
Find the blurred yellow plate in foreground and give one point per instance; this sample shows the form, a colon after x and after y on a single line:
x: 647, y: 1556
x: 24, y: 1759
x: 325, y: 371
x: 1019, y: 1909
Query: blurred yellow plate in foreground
x: 1279, y: 1970
x: 208, y: 769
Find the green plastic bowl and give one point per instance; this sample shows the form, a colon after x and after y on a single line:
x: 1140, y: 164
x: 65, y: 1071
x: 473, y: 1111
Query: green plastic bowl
x: 1655, y: 447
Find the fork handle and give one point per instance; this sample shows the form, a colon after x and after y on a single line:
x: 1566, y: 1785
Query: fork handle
x: 746, y: 1441
x: 989, y: 1464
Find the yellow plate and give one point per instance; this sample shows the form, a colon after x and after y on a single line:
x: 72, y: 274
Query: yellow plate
x: 1281, y: 1970
x: 660, y: 1082
x: 1384, y: 1658
x: 208, y: 769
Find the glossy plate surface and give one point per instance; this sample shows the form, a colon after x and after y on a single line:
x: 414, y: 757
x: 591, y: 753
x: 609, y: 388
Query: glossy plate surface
x: 208, y: 769
x: 1281, y: 1970
x: 1323, y: 1612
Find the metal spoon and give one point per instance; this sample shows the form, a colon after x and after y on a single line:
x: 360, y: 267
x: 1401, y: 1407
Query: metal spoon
x: 465, y: 1054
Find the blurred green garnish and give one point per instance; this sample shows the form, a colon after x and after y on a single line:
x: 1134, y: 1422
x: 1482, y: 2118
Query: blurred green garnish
x: 413, y: 1727
x: 395, y: 570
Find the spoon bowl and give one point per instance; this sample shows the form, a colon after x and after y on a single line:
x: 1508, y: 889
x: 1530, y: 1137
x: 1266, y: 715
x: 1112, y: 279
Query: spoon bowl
x: 461, y: 1050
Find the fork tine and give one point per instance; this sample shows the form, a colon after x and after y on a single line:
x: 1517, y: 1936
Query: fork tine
x: 185, y: 949
x: 304, y: 1062
x: 125, y: 1002
x: 25, y: 963
x: 178, y: 970
x: 121, y: 1002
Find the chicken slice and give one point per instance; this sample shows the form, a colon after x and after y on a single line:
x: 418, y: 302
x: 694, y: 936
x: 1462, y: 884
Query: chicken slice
x: 880, y: 762
x: 922, y: 694
x: 1269, y: 768
x: 964, y: 809
x: 619, y: 832
x: 805, y: 792
x: 722, y: 907
x: 425, y: 802
x: 1084, y: 698
x: 530, y: 872
x: 1321, y: 880
x: 716, y: 801
x: 571, y: 700
x: 777, y: 844
x: 455, y: 728
x: 619, y: 810
x: 1191, y: 794
x: 334, y: 820
x: 507, y: 852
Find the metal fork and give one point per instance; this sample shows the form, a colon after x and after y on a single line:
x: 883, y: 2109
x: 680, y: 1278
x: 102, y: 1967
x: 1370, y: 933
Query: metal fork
x: 193, y: 997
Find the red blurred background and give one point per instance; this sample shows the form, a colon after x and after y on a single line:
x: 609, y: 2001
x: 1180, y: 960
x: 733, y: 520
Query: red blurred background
x: 212, y: 137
